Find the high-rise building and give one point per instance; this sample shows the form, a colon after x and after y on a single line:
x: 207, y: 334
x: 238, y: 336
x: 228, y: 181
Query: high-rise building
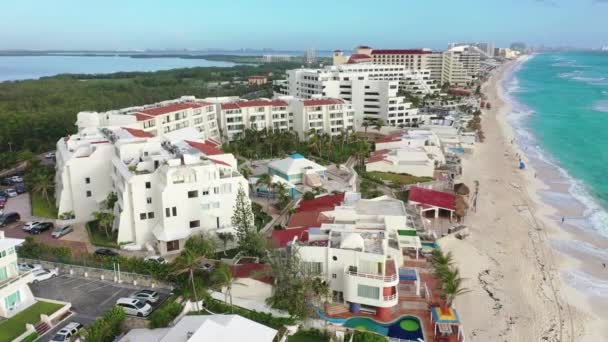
x: 310, y: 56
x: 460, y: 66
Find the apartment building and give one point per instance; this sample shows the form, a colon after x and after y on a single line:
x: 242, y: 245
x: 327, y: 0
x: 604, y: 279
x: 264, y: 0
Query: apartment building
x: 411, y: 59
x: 360, y: 251
x: 168, y: 186
x: 15, y: 294
x: 322, y: 115
x: 372, y: 89
x: 235, y: 116
x: 460, y: 66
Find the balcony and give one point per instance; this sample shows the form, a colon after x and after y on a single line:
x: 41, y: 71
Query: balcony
x: 384, y: 278
x: 15, y: 279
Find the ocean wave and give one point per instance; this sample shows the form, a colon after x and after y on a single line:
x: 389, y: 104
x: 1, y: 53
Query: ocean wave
x: 586, y: 283
x: 601, y: 106
x: 582, y: 247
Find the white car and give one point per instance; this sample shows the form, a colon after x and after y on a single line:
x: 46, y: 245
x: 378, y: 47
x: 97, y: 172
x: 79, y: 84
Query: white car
x: 156, y: 258
x: 49, y: 155
x: 147, y: 296
x: 29, y: 225
x: 16, y: 179
x: 11, y: 192
x: 25, y: 267
x: 43, y: 274
x: 67, y: 332
x: 134, y: 307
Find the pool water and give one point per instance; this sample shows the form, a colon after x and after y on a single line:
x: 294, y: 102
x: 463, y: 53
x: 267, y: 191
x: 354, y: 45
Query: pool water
x: 405, y: 328
x: 432, y: 245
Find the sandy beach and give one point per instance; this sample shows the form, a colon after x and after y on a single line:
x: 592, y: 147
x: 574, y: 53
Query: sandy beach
x: 512, y: 271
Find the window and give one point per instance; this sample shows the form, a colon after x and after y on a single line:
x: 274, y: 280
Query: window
x: 172, y: 245
x: 12, y: 300
x: 151, y: 215
x: 87, y: 180
x: 368, y: 291
x: 167, y: 212
x: 89, y: 193
x: 148, y: 185
x: 335, y: 258
x: 312, y: 267
x: 192, y: 194
x: 205, y: 192
x: 142, y: 216
x: 195, y: 224
x: 334, y: 276
x: 149, y: 200
x: 174, y: 210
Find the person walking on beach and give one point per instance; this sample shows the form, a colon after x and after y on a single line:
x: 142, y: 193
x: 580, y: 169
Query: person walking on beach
x: 563, y: 219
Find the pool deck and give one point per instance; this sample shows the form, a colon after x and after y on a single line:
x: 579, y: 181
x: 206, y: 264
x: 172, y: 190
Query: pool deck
x: 414, y: 305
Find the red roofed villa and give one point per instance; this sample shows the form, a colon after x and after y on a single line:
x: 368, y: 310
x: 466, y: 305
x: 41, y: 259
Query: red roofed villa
x: 432, y: 200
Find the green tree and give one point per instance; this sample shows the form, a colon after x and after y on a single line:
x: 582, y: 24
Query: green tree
x: 42, y: 182
x: 246, y: 172
x: 105, y: 221
x: 225, y: 238
x: 283, y: 198
x: 266, y: 181
x: 250, y: 242
x: 378, y: 124
x: 365, y: 125
x: 222, y: 277
x: 111, y: 200
x: 451, y: 286
x: 187, y: 263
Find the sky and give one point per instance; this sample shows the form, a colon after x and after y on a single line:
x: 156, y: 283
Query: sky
x: 297, y: 25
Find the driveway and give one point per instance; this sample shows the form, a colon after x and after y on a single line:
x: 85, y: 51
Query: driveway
x: 90, y: 298
x: 20, y: 204
x: 15, y: 231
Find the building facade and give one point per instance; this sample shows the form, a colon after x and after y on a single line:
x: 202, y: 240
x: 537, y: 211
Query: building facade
x: 169, y: 186
x: 461, y: 66
x: 15, y: 294
x: 411, y: 59
x: 262, y: 114
x: 323, y: 115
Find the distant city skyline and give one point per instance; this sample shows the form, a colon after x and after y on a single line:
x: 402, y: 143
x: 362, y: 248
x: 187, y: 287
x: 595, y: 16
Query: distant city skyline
x: 280, y: 25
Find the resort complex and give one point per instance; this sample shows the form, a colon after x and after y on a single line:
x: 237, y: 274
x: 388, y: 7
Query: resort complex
x: 319, y: 199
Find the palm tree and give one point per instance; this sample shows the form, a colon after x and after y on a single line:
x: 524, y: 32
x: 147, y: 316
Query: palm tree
x: 105, y: 221
x: 222, y: 277
x: 43, y: 183
x: 379, y: 123
x: 365, y: 125
x: 246, y: 172
x: 452, y: 286
x: 266, y: 181
x: 283, y: 196
x: 187, y: 262
x: 225, y: 238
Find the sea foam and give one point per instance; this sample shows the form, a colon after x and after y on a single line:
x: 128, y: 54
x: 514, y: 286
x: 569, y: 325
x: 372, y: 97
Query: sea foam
x: 586, y: 283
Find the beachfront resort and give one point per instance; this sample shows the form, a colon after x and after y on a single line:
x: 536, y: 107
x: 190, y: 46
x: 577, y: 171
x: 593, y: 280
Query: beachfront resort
x: 318, y: 213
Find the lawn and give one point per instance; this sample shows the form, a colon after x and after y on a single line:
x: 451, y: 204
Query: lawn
x: 99, y: 238
x: 307, y: 336
x: 15, y: 326
x: 41, y: 207
x: 230, y: 253
x: 398, y: 177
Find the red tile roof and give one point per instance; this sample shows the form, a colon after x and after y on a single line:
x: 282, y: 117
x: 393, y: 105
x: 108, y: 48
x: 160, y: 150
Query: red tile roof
x: 396, y: 136
x: 172, y: 108
x: 327, y: 202
x: 219, y: 162
x: 138, y: 133
x: 143, y: 117
x: 360, y: 56
x: 322, y: 102
x: 253, y: 103
x: 208, y: 148
x: 433, y: 198
x: 377, y: 156
x: 400, y: 52
x: 280, y: 238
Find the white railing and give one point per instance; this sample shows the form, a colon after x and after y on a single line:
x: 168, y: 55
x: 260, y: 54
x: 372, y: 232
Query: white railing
x: 15, y: 279
x: 387, y: 279
x: 391, y: 297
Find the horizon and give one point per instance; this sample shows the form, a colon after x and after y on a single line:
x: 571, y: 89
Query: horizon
x: 190, y: 25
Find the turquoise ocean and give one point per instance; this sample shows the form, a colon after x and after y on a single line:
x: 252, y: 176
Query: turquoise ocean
x: 560, y: 118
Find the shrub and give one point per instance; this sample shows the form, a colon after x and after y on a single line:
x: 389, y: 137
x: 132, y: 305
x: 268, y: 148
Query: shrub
x: 165, y: 314
x: 261, y: 317
x: 308, y: 195
x: 105, y: 328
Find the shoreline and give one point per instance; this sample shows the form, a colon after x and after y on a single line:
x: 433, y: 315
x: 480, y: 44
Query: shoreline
x: 509, y: 265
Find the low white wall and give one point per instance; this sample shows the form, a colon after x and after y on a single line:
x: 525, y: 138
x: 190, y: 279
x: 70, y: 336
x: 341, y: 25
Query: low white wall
x: 250, y: 304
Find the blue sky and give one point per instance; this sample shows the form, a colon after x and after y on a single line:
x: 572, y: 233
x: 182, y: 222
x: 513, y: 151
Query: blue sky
x: 288, y: 24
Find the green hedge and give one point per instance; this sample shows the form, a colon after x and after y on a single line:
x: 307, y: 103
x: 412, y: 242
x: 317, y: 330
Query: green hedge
x: 106, y: 327
x: 267, y: 319
x: 98, y: 237
x: 165, y: 314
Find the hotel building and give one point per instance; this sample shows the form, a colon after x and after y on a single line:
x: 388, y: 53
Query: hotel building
x: 15, y: 294
x: 460, y: 66
x: 169, y: 185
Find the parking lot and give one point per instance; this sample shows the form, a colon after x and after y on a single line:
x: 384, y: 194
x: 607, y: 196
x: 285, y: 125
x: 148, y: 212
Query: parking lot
x: 89, y: 297
x: 15, y: 230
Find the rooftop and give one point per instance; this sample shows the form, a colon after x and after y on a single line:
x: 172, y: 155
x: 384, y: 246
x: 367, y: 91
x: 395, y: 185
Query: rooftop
x: 400, y: 52
x: 253, y: 103
x: 433, y: 198
x: 295, y: 165
x: 171, y: 108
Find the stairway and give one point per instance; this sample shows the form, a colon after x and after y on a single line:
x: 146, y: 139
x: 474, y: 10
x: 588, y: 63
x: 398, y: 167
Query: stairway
x: 42, y: 328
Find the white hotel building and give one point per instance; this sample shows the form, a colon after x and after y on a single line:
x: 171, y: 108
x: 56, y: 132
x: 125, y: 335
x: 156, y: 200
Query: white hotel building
x: 170, y: 184
x: 371, y: 89
x: 15, y: 294
x: 461, y: 65
x: 360, y: 253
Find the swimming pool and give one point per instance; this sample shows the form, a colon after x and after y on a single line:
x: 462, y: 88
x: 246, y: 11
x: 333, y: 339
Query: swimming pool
x: 431, y: 245
x: 405, y: 328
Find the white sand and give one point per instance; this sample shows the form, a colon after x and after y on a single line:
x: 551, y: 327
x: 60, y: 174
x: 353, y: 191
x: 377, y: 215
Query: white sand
x: 513, y: 274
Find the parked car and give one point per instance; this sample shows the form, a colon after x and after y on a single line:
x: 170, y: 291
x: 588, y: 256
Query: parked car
x: 105, y: 252
x: 61, y: 231
x: 26, y: 267
x: 3, y: 194
x: 6, y: 181
x: 41, y: 227
x: 50, y: 155
x: 20, y: 188
x: 134, y: 307
x: 29, y: 225
x: 2, y: 202
x: 11, y: 192
x: 43, y: 274
x: 9, y: 218
x: 156, y: 258
x: 16, y: 179
x: 66, y: 333
x: 147, y: 296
